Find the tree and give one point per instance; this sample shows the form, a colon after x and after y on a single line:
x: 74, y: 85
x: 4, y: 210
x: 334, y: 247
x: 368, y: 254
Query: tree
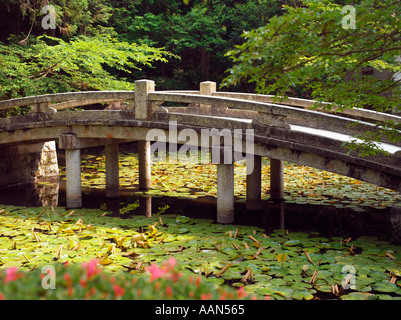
x: 198, y: 31
x: 83, y: 56
x: 51, y: 65
x: 317, y: 49
x: 23, y: 18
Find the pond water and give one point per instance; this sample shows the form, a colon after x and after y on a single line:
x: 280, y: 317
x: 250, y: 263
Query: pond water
x: 341, y: 213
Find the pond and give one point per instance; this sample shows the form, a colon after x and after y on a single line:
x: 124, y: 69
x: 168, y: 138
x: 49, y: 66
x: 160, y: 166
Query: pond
x: 327, y: 228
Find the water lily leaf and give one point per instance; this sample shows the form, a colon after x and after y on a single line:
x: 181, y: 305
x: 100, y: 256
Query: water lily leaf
x: 291, y: 243
x: 215, y: 280
x: 302, y: 295
x: 385, y: 287
x: 359, y: 296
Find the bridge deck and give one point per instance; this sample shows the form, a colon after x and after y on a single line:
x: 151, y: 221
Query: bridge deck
x: 320, y: 132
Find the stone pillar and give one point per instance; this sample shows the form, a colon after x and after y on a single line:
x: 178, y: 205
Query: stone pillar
x: 112, y: 171
x: 276, y: 179
x: 225, y: 184
x: 144, y: 165
x: 206, y: 89
x: 254, y: 184
x: 143, y: 109
x: 69, y: 142
x: 225, y: 193
x: 73, y: 177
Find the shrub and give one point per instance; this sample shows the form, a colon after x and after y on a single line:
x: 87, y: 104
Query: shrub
x: 89, y: 281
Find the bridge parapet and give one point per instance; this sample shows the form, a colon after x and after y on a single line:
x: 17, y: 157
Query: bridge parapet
x: 264, y: 110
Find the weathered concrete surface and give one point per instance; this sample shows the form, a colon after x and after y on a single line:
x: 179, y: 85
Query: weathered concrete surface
x: 276, y: 179
x: 225, y: 193
x: 144, y: 162
x: 27, y: 163
x: 254, y: 184
x: 73, y: 178
x: 143, y: 108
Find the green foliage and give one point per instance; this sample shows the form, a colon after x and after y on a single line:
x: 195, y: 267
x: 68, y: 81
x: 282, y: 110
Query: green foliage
x: 51, y: 65
x: 73, y: 17
x: 90, y: 282
x: 199, y: 32
x: 308, y: 47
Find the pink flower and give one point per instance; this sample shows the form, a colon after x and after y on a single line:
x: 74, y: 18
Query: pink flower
x: 156, y: 272
x: 11, y: 275
x: 118, y: 291
x: 91, y: 268
x: 170, y: 263
x: 241, y: 293
x: 169, y: 292
x: 167, y: 269
x: 206, y: 296
x: 67, y: 278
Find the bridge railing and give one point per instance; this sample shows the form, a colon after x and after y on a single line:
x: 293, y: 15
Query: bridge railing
x: 276, y: 115
x: 61, y: 101
x: 262, y: 109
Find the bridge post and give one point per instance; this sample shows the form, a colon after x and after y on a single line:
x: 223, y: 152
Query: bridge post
x: 143, y: 109
x: 112, y: 171
x: 254, y: 184
x: 144, y: 162
x: 206, y: 88
x: 69, y: 142
x: 276, y: 179
x: 225, y: 186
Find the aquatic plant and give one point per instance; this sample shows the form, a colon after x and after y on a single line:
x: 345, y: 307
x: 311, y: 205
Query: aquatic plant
x: 281, y: 264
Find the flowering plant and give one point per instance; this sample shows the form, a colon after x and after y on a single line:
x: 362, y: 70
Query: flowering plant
x: 89, y: 281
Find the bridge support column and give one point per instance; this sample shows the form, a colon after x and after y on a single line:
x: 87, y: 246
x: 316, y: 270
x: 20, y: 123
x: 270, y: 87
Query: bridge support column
x: 112, y: 171
x: 144, y: 165
x: 69, y: 142
x: 225, y: 193
x: 276, y: 179
x: 73, y: 177
x: 225, y: 185
x: 254, y: 184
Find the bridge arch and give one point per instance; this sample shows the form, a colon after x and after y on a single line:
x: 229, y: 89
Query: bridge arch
x: 284, y: 132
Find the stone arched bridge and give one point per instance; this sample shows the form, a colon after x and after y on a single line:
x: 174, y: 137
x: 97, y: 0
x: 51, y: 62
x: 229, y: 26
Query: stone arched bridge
x: 285, y: 131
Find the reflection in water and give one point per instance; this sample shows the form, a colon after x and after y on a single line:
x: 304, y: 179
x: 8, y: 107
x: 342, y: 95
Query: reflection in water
x: 328, y: 221
x: 44, y: 193
x: 145, y: 206
x: 395, y: 220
